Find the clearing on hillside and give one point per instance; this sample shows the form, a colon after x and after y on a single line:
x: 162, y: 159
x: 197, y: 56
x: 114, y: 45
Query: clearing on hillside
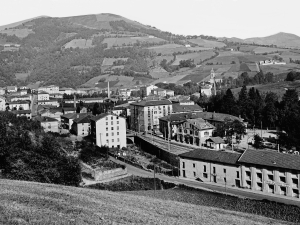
x: 207, y: 43
x: 20, y: 33
x: 125, y: 41
x: 260, y: 50
x: 168, y: 49
x: 29, y: 202
x: 198, y: 57
x: 79, y: 43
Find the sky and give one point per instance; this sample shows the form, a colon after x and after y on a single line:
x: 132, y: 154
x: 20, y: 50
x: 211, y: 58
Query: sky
x: 220, y: 18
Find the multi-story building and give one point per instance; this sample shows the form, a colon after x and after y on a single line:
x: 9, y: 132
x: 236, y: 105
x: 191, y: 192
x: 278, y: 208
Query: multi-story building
x: 146, y: 90
x: 2, y: 103
x: 11, y: 89
x: 82, y: 126
x: 18, y: 105
x: 49, y: 89
x: 15, y: 98
x: 259, y: 171
x: 50, y: 102
x: 108, y: 129
x: 49, y: 124
x: 67, y: 119
x: 42, y: 96
x: 145, y: 114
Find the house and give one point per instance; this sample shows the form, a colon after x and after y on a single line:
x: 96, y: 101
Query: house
x: 67, y: 119
x: 215, y: 143
x: 52, y: 102
x: 42, y: 95
x: 108, y: 129
x: 49, y: 124
x: 82, y: 125
x: 67, y: 91
x: 218, y: 118
x: 118, y: 110
x: 270, y: 172
x: 145, y: 114
x: 170, y: 92
x: 11, y: 89
x: 211, y: 166
x: 146, y: 90
x: 2, y: 103
x: 54, y: 113
x: 26, y: 113
x: 49, y: 89
x: 18, y: 105
x: 160, y: 92
x: 56, y: 95
x: 125, y: 92
x: 2, y: 91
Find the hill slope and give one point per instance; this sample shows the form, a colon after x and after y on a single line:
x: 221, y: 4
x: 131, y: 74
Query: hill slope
x: 279, y: 39
x: 35, y: 203
x: 11, y: 25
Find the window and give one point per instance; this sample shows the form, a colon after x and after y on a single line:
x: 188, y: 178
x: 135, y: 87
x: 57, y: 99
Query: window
x: 117, y: 133
x: 185, y: 131
x: 214, y: 169
x: 112, y: 128
x: 224, y: 170
x: 118, y: 139
x: 206, y: 133
x: 117, y: 127
x: 237, y: 174
x: 106, y: 118
x: 191, y: 132
x: 106, y: 128
x: 194, y: 165
x: 259, y: 186
x: 295, y: 182
x: 194, y: 174
x: 204, y: 168
x: 112, y: 133
x: 112, y: 117
x: 283, y: 190
x: 106, y: 123
x: 183, y: 165
x: 117, y: 122
x: 205, y: 175
x: 112, y: 123
x: 296, y: 193
x: 259, y: 176
x: 112, y: 140
x: 248, y: 175
x: 225, y: 179
x: 270, y: 177
x: 106, y: 134
x: 282, y: 179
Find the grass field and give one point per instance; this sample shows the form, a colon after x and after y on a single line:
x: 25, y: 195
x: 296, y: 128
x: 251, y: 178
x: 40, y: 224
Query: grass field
x: 79, y: 43
x: 129, y: 40
x: 34, y: 203
x: 170, y: 79
x: 20, y: 33
x: 197, y: 57
x: 287, y: 55
x: 168, y: 49
x: 110, y: 61
x: 207, y: 43
x: 260, y: 50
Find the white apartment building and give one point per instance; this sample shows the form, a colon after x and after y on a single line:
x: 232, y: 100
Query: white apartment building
x: 145, y: 114
x: 42, y: 96
x: 49, y: 89
x: 148, y: 89
x: 108, y: 129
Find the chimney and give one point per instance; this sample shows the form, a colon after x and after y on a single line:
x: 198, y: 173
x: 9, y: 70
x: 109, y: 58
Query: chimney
x: 108, y: 91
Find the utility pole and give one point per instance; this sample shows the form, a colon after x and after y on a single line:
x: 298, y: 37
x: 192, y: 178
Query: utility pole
x: 154, y: 178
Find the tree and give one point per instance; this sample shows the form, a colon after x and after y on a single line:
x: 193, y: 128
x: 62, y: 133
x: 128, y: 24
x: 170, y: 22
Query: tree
x: 243, y: 102
x: 229, y: 104
x: 258, y: 141
x: 230, y: 128
x: 78, y: 109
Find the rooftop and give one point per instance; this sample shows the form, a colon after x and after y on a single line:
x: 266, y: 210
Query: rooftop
x: 73, y: 115
x: 200, y: 123
x: 271, y: 158
x: 83, y: 119
x: 217, y: 116
x: 152, y: 103
x: 212, y: 156
x: 45, y: 119
x: 102, y: 115
x: 186, y: 108
x: 216, y: 140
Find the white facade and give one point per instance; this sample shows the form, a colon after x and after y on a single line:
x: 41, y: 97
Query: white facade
x: 147, y: 89
x: 110, y: 131
x: 2, y: 103
x: 50, y: 89
x: 12, y: 89
x: 43, y: 96
x: 2, y: 91
x: 19, y: 105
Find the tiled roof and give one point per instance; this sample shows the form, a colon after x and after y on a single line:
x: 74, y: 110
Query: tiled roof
x: 200, y: 123
x: 217, y: 116
x: 186, y: 108
x: 212, y: 156
x: 271, y: 158
x: 73, y: 115
x: 152, y: 103
x: 179, y: 117
x: 43, y: 93
x: 216, y: 140
x: 102, y: 115
x: 83, y: 119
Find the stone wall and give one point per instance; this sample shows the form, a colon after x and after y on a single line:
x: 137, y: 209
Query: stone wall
x: 99, y: 174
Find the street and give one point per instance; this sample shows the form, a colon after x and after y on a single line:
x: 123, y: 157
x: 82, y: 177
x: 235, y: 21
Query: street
x: 208, y: 186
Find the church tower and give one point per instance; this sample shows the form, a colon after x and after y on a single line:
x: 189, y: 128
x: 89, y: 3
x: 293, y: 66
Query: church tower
x: 212, y: 73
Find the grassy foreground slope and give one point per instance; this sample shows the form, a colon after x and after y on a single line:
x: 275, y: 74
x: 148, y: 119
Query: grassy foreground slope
x: 35, y: 203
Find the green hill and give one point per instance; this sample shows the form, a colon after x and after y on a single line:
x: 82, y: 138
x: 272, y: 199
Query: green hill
x: 35, y: 203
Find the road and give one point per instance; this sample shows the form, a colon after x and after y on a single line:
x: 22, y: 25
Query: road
x: 208, y: 186
x: 34, y: 105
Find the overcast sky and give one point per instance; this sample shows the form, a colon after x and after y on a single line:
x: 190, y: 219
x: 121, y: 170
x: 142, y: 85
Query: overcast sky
x: 230, y: 18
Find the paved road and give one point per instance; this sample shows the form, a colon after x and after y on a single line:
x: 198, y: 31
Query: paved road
x: 214, y: 187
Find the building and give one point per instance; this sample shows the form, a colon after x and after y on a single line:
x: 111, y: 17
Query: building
x: 2, y: 103
x: 67, y: 119
x: 170, y: 93
x: 218, y: 118
x: 108, y: 129
x: 2, y: 91
x: 270, y: 172
x: 125, y: 92
x: 49, y: 124
x: 67, y: 91
x: 211, y: 166
x: 26, y: 113
x: 56, y: 95
x: 178, y: 108
x: 145, y: 114
x: 49, y: 89
x: 42, y: 96
x: 119, y: 110
x: 82, y: 126
x: 18, y: 105
x: 146, y: 90
x: 52, y: 102
x: 160, y: 92
x: 215, y: 143
x: 11, y: 89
